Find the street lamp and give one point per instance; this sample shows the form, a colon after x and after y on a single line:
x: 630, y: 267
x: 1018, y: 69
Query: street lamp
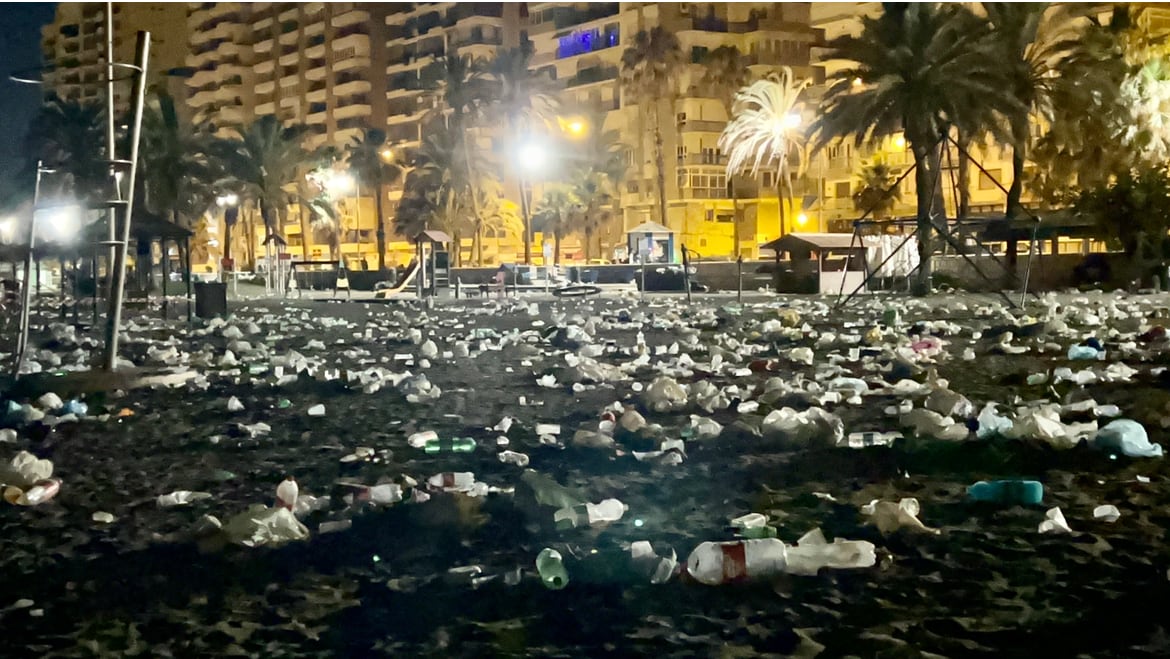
x: 531, y: 160
x: 230, y: 204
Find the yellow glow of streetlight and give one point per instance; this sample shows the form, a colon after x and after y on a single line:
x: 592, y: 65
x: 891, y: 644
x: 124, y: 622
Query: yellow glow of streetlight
x: 387, y: 154
x: 899, y: 142
x: 857, y: 82
x: 786, y: 123
x: 533, y: 157
x: 230, y: 199
x: 801, y: 220
x: 576, y: 127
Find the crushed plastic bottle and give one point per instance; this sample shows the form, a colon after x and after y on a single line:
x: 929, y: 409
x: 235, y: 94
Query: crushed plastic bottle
x: 1106, y: 513
x: 589, y: 514
x: 812, y: 553
x: 1083, y: 352
x: 551, y: 568
x: 890, y: 517
x: 181, y: 498
x: 1009, y: 492
x: 1054, y: 522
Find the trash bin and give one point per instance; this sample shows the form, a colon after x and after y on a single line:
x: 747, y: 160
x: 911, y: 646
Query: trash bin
x: 210, y: 299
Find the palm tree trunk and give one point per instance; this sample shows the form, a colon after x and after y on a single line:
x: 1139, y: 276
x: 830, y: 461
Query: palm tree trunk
x: 660, y: 163
x: 250, y: 248
x: 588, y: 246
x: 457, y: 244
x: 964, y: 208
x: 306, y: 236
x: 380, y: 231
x: 479, y: 244
x: 783, y: 214
x: 1012, y: 209
x: 557, y: 247
x: 924, y: 179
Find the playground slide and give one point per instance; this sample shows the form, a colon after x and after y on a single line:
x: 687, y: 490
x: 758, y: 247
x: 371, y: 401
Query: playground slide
x: 403, y: 286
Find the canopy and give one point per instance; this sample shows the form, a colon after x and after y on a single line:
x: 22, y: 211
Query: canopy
x: 813, y: 242
x: 651, y: 228
x: 432, y: 236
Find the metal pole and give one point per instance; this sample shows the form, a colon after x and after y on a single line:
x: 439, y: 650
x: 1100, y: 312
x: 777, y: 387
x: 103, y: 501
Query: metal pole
x: 26, y: 287
x: 112, y: 212
x: 526, y: 212
x: 1028, y: 272
x: 739, y: 278
x: 114, y: 321
x: 686, y: 273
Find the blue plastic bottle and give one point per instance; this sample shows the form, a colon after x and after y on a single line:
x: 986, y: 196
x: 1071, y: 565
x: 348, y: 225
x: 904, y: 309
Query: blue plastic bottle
x: 1011, y: 492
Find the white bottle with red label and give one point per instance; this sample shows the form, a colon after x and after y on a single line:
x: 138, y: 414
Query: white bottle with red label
x: 715, y: 563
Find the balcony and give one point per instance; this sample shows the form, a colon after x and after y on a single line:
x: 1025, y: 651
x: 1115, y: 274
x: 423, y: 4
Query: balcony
x: 701, y: 126
x: 478, y: 39
x: 351, y: 17
x: 566, y: 17
x: 461, y: 11
x: 264, y: 45
x: 587, y: 41
x: 352, y: 87
x: 289, y: 59
x: 593, y: 75
x: 713, y: 159
x: 358, y: 43
x: 354, y: 110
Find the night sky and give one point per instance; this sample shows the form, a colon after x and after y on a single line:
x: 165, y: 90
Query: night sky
x: 20, y: 48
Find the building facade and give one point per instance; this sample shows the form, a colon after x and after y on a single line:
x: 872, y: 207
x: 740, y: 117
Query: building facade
x: 74, y: 47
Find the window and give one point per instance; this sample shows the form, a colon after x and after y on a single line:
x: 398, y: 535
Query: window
x: 841, y: 190
x: 698, y: 54
x: 632, y: 187
x: 986, y: 182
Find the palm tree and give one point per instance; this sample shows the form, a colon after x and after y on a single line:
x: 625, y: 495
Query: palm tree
x: 370, y: 162
x: 874, y: 195
x: 724, y: 73
x: 762, y: 131
x: 920, y: 68
x: 1031, y: 43
x: 262, y: 161
x: 649, y: 73
x: 525, y: 101
x: 179, y: 170
x: 460, y: 85
x: 66, y: 136
x: 557, y: 212
x: 598, y: 167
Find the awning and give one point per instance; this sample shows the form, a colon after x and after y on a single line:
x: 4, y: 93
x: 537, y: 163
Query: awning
x: 814, y: 242
x: 651, y: 228
x: 432, y: 236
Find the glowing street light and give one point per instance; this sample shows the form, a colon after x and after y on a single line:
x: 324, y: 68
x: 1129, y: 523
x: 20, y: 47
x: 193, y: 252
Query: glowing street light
x: 576, y: 127
x: 230, y: 199
x: 387, y: 154
x: 899, y: 142
x: 62, y: 224
x: 339, y: 183
x: 532, y: 157
x: 7, y: 229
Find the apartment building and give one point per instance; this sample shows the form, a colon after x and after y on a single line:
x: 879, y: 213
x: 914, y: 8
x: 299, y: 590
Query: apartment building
x: 74, y: 47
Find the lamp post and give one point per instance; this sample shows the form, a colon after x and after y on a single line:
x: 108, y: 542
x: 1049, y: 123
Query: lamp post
x: 531, y: 159
x: 339, y: 184
x: 231, y: 212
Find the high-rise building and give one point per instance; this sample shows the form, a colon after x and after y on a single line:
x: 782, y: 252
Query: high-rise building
x: 581, y: 44
x: 74, y: 47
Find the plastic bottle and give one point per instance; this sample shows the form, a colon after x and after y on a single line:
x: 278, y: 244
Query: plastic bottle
x: 757, y: 532
x: 450, y: 445
x: 715, y: 563
x: 588, y: 514
x: 1023, y: 492
x: 551, y: 567
x: 868, y: 439
x: 42, y: 491
x: 286, y: 493
x: 891, y: 317
x: 1082, y: 352
x: 421, y: 439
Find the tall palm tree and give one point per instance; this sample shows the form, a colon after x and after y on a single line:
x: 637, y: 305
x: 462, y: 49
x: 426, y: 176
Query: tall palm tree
x: 597, y: 169
x: 725, y: 72
x: 557, y: 212
x: 460, y: 87
x: 525, y: 101
x: 67, y: 136
x: 763, y: 132
x: 179, y: 169
x: 369, y: 161
x: 263, y: 160
x: 649, y: 73
x: 920, y: 68
x: 1031, y: 41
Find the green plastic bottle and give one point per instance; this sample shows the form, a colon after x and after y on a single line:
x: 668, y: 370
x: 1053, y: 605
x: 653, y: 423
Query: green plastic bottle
x: 757, y: 532
x: 451, y: 445
x: 551, y: 567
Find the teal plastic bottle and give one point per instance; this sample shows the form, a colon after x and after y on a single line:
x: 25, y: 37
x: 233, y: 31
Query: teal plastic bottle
x: 1011, y: 492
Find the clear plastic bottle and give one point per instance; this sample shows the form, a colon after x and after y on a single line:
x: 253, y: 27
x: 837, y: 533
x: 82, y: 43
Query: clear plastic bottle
x: 868, y: 439
x: 551, y: 568
x: 588, y: 514
x: 715, y: 563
